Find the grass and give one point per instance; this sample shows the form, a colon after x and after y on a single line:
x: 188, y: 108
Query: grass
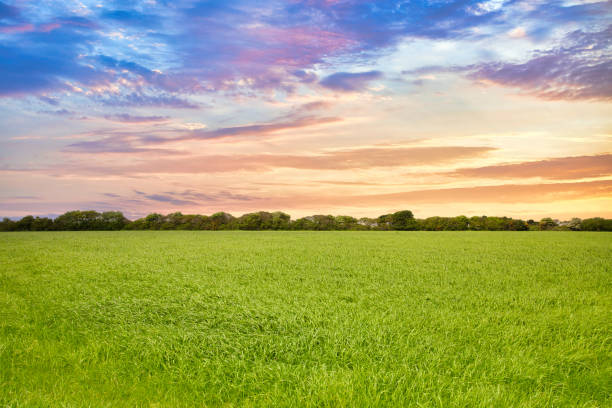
x: 172, y: 319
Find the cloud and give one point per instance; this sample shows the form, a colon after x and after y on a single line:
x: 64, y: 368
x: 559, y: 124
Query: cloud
x: 196, y: 47
x: 25, y: 71
x: 127, y: 118
x: 259, y: 129
x: 114, y: 144
x: 350, y: 82
x: 118, y: 141
x: 49, y: 100
x: 337, y: 160
x: 211, y: 196
x: 168, y: 199
x: 490, y: 194
x: 39, y: 61
x: 208, y: 45
x: 579, y: 69
x: 313, y: 106
x: 371, y: 25
x: 59, y: 112
x: 155, y: 101
x: 560, y: 168
x: 506, y: 193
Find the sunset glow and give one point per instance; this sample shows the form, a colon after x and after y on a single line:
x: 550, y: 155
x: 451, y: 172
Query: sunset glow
x: 309, y: 107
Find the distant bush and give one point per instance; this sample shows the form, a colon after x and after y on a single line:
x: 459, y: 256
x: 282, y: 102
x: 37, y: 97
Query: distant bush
x: 262, y: 220
x: 596, y: 224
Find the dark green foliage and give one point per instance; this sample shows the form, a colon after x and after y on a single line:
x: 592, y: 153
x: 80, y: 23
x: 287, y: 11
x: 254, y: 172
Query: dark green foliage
x: 596, y: 224
x: 547, y: 224
x: 113, y: 221
x: 345, y: 222
x: 278, y: 221
x: 264, y: 221
x: 24, y: 224
x: 460, y: 223
x: 303, y: 224
x: 222, y: 221
x: 403, y: 221
x: 90, y: 221
x: 46, y: 224
x: 384, y: 222
x: 7, y: 225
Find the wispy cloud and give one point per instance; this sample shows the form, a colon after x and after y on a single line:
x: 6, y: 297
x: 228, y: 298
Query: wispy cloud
x: 127, y: 118
x: 559, y: 168
x: 169, y: 199
x: 579, y: 69
x: 144, y: 100
x: 363, y: 158
x: 502, y: 194
x: 350, y: 81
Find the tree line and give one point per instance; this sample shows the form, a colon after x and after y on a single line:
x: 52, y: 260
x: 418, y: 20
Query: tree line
x: 262, y: 220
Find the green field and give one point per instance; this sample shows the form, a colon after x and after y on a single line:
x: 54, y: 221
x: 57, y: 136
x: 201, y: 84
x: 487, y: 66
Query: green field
x: 438, y: 319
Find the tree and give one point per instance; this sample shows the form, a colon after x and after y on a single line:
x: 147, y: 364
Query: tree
x: 403, y: 221
x: 113, y: 220
x: 172, y: 221
x: 459, y: 223
x: 222, y: 221
x: 255, y: 221
x: 494, y: 224
x: 384, y: 222
x: 368, y: 223
x: 546, y: 224
x: 7, y: 224
x: 574, y: 224
x: 345, y: 222
x: 280, y: 221
x: 42, y: 224
x: 24, y: 224
x: 518, y: 225
x: 596, y: 224
x: 477, y: 223
x: 324, y: 222
x: 153, y: 221
x: 303, y: 224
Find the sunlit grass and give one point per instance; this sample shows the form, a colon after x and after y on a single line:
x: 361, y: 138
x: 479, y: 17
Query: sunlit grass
x: 489, y: 319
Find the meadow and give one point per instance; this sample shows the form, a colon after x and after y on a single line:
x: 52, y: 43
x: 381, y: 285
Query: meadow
x: 305, y: 319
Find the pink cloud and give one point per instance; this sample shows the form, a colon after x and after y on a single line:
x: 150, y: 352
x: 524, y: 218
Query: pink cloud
x: 559, y: 168
x: 21, y: 28
x: 339, y: 160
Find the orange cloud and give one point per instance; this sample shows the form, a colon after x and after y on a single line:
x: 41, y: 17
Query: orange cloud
x: 338, y: 160
x: 560, y: 168
x: 503, y: 194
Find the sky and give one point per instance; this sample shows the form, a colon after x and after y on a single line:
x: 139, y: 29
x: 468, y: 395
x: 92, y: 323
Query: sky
x: 496, y: 107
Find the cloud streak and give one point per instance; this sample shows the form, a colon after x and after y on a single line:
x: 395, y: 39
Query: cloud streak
x: 580, y: 69
x: 127, y: 118
x: 501, y: 194
x: 560, y: 168
x: 349, y: 81
x: 364, y: 158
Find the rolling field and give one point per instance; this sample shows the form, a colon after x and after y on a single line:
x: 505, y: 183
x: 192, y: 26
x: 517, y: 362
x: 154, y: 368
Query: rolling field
x: 173, y: 319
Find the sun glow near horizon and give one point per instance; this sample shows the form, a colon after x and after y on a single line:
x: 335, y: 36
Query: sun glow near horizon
x: 444, y: 108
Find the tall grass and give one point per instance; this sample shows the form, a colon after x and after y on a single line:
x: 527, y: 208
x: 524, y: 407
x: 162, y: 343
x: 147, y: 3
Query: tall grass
x: 173, y: 319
